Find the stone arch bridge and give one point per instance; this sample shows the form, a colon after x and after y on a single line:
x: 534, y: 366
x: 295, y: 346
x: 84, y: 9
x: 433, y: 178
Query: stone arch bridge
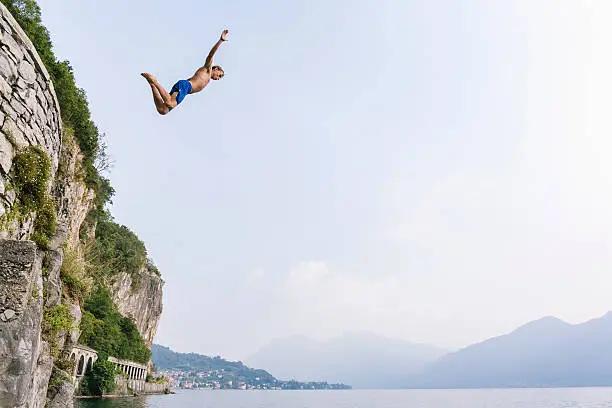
x: 136, y: 373
x: 83, y: 358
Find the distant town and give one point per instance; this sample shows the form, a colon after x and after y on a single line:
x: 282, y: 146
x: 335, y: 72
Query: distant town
x: 195, y: 371
x: 217, y: 380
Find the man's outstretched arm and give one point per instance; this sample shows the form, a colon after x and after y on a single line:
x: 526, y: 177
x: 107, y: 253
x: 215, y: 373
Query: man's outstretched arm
x: 211, y: 54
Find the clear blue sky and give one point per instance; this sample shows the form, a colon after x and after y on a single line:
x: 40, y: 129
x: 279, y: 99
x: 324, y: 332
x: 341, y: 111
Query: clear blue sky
x: 438, y: 171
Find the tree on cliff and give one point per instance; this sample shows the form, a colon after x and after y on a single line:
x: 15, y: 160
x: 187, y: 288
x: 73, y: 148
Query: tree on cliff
x: 104, y: 329
x: 100, y: 379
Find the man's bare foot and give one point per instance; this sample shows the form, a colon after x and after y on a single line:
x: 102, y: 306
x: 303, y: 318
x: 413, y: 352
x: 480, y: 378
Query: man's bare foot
x: 149, y: 77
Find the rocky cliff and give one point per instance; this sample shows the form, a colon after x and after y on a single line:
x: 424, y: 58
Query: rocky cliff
x: 44, y: 201
x: 30, y: 117
x: 140, y: 298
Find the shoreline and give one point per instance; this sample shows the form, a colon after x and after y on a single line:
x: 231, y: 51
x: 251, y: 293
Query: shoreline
x: 120, y: 396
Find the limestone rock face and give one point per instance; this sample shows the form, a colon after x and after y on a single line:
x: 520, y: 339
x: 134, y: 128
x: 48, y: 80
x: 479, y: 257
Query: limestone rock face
x: 63, y: 397
x: 24, y: 357
x: 74, y: 198
x: 140, y: 298
x: 29, y: 116
x: 61, y: 394
x: 17, y: 273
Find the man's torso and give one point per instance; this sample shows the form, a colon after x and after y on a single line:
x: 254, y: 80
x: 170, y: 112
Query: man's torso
x: 199, y: 80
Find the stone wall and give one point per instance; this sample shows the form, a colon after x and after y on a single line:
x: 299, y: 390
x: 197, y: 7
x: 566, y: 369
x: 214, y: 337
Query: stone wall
x: 139, y: 387
x: 151, y: 388
x: 29, y: 115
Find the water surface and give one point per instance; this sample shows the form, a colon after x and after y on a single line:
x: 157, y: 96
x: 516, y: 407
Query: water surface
x: 522, y: 398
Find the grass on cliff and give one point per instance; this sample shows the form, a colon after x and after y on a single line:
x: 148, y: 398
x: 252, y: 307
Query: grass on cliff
x: 30, y: 176
x: 56, y: 321
x: 116, y: 249
x: 104, y: 329
x: 75, y: 281
x: 31, y: 173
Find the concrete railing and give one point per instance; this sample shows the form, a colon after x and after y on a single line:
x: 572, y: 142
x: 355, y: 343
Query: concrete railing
x: 134, y: 371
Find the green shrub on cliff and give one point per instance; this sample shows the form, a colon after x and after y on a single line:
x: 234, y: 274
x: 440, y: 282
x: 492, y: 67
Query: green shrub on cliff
x: 104, y: 329
x: 44, y: 224
x: 116, y: 249
x: 100, y: 379
x: 56, y: 320
x: 30, y: 175
x: 75, y: 282
x: 151, y: 267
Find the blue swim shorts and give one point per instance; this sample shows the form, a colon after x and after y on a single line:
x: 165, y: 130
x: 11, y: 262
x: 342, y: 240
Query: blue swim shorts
x: 182, y: 88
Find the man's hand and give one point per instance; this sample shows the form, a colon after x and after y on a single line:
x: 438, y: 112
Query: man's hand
x: 224, y: 35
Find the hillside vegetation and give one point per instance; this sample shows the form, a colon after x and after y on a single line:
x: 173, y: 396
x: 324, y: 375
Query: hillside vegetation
x: 164, y: 358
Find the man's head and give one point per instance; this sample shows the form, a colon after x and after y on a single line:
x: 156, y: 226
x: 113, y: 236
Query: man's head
x: 216, y: 73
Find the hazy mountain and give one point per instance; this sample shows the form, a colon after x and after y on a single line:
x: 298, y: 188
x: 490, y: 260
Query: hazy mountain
x: 545, y: 353
x: 364, y: 360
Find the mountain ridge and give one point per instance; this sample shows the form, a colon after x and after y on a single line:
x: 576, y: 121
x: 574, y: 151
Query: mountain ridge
x: 546, y: 352
x: 362, y: 359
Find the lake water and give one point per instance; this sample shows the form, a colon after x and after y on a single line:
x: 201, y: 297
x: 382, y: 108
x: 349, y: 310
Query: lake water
x: 521, y: 398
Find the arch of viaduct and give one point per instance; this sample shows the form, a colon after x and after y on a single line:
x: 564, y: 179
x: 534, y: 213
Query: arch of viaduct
x: 84, y: 357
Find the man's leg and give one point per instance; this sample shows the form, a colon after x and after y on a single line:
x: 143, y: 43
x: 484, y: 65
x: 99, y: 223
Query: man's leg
x: 159, y: 102
x: 163, y: 100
